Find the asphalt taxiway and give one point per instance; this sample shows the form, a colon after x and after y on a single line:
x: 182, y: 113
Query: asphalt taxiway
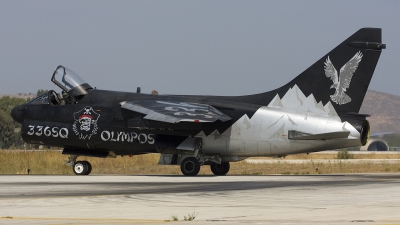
x: 313, y: 199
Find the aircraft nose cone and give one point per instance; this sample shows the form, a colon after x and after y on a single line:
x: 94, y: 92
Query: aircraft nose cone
x: 17, y: 113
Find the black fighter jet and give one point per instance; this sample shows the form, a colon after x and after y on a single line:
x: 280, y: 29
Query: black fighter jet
x: 318, y: 110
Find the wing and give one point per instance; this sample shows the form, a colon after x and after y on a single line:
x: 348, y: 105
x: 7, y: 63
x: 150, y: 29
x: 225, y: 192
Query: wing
x: 175, y: 111
x: 330, y: 71
x: 347, y: 71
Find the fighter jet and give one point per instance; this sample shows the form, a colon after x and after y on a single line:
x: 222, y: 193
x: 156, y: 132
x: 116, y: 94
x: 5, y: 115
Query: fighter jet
x: 318, y: 110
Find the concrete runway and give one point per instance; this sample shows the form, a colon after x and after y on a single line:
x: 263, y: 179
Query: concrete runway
x: 323, y: 161
x: 313, y: 199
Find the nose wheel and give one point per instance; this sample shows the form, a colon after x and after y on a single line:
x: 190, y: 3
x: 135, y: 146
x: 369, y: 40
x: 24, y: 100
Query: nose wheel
x: 82, y: 168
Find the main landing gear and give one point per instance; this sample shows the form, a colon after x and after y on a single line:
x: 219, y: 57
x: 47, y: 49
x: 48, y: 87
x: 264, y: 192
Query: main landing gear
x: 79, y: 167
x: 190, y: 166
x: 190, y: 161
x: 220, y: 169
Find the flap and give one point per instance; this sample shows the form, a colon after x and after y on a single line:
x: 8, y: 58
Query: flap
x: 175, y: 111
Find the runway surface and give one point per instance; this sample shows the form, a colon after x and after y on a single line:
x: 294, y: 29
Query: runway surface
x: 323, y: 161
x: 313, y: 199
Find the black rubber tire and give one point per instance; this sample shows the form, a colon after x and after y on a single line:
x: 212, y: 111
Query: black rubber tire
x: 80, y: 168
x: 89, y: 167
x: 190, y: 166
x: 220, y: 169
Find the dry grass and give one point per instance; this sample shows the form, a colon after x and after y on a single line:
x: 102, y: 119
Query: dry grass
x: 52, y: 162
x: 370, y: 155
x: 312, y: 167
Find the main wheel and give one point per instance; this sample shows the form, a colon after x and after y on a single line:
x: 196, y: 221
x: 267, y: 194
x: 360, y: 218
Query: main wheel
x: 220, y: 169
x: 82, y: 168
x: 190, y: 166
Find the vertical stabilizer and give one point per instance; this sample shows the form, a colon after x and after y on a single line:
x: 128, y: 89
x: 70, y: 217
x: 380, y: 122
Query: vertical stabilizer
x: 338, y: 80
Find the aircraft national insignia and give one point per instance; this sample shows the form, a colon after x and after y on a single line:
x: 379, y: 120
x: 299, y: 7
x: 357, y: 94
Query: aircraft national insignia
x: 342, y: 82
x: 85, y: 124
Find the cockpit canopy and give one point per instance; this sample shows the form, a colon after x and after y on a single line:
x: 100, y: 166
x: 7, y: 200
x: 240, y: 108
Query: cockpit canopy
x: 73, y: 86
x: 70, y: 82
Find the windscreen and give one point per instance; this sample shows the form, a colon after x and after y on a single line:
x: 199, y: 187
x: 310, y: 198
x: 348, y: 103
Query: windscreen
x: 42, y: 99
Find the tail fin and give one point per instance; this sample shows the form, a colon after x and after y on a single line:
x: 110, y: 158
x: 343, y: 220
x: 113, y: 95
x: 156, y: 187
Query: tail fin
x: 339, y: 80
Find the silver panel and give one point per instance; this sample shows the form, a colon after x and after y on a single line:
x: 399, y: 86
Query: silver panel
x: 264, y: 148
x: 251, y: 147
x: 270, y: 124
x: 236, y: 146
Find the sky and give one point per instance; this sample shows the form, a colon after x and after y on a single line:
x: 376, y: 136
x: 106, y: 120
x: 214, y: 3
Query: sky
x: 185, y: 47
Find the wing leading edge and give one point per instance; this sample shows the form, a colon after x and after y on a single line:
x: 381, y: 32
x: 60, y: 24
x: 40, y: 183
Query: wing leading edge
x: 175, y: 111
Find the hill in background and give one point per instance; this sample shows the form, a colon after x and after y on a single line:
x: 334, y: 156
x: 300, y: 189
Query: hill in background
x: 384, y: 110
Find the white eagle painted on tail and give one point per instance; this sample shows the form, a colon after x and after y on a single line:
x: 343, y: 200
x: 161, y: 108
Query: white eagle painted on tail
x: 342, y: 82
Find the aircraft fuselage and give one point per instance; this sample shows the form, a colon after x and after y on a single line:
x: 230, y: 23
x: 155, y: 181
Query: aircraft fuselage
x: 264, y: 134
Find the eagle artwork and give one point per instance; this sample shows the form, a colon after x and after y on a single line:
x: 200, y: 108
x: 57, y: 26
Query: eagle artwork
x: 342, y: 82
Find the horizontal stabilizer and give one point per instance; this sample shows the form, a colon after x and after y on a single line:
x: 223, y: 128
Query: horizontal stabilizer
x: 175, y: 111
x: 297, y: 135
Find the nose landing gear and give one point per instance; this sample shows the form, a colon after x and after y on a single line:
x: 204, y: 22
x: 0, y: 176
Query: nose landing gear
x: 79, y: 167
x: 82, y: 168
